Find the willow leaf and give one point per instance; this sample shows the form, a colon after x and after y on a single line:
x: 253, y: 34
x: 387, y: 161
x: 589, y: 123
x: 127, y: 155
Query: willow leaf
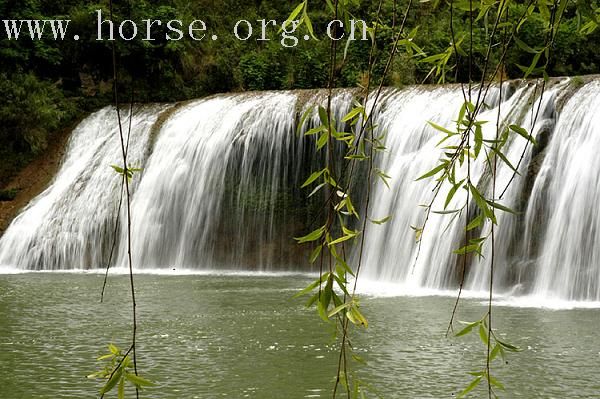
x: 433, y: 171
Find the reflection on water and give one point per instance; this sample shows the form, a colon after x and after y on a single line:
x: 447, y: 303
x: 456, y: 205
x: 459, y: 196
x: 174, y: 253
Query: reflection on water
x: 235, y: 336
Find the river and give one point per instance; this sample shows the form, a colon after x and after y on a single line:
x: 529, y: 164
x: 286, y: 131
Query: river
x: 244, y: 335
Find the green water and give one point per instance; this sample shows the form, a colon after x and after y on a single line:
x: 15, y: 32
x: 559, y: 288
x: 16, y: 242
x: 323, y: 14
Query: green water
x: 243, y: 336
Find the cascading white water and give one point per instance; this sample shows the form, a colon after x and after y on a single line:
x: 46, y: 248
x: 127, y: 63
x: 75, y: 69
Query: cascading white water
x: 392, y: 253
x: 389, y: 250
x: 220, y: 189
x: 508, y: 263
x: 568, y: 186
x: 177, y: 210
x: 215, y: 191
x: 71, y: 224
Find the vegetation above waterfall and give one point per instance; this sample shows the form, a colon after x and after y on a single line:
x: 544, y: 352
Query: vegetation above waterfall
x: 49, y: 84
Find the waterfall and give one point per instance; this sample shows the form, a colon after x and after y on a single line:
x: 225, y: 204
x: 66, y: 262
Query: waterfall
x: 70, y: 225
x: 568, y: 186
x: 413, y: 150
x: 220, y: 189
x: 235, y: 143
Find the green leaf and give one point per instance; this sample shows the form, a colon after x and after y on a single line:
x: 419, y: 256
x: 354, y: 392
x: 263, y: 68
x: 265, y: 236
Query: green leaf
x: 523, y: 46
x: 322, y: 140
x: 359, y: 359
x: 323, y: 116
x: 418, y: 232
x: 341, y: 283
x: 468, y: 328
x: 331, y: 181
x: 470, y: 387
x: 313, y: 236
x: 476, y: 373
x: 313, y: 177
x: 121, y: 392
x: 501, y: 207
x: 310, y: 287
x: 350, y: 207
x: 322, y: 310
x: 296, y: 11
x: 496, y: 383
x: 341, y: 262
x: 315, y: 254
x: 315, y: 130
x: 383, y: 176
x: 97, y: 374
x: 504, y: 159
x: 138, y: 381
x: 462, y: 112
x: 483, y: 334
x: 508, y: 346
x: 335, y: 298
x: 495, y: 351
x: 523, y: 133
x: 433, y: 58
x: 452, y: 192
x: 467, y: 249
x: 354, y: 113
x: 559, y: 14
x: 441, y: 128
x: 358, y: 317
x: 303, y: 119
x: 114, y: 350
x: 327, y: 292
x: 309, y: 25
x: 126, y: 362
x: 338, y: 309
x: 482, y: 204
x: 342, y: 239
x: 381, y: 221
x: 107, y: 356
x: 450, y: 212
x: 118, y: 169
x: 478, y: 140
x: 312, y: 300
x: 433, y: 171
x: 476, y: 222
x: 112, y: 382
x: 358, y: 157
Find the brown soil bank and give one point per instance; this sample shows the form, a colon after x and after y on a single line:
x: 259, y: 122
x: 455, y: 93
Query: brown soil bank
x: 34, y: 178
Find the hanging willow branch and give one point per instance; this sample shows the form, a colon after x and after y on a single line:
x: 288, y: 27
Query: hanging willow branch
x: 122, y: 366
x: 330, y: 239
x: 468, y: 129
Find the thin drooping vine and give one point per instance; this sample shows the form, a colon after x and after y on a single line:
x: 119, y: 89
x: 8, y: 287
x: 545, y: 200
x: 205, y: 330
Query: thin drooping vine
x: 122, y: 366
x: 469, y: 128
x: 120, y: 205
x: 360, y: 145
